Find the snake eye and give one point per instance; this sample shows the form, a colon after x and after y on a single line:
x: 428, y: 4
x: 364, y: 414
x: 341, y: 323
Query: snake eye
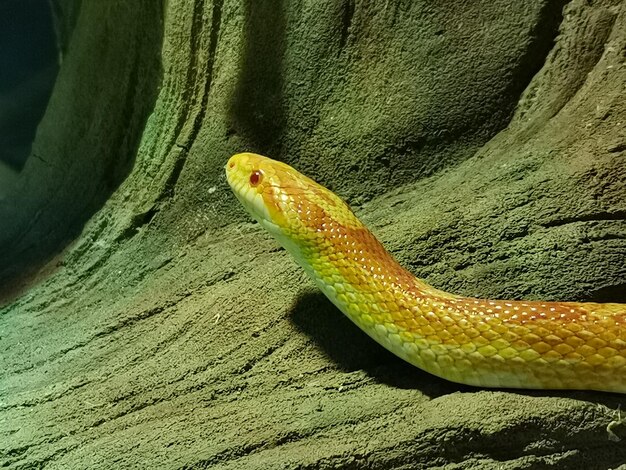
x: 256, y: 177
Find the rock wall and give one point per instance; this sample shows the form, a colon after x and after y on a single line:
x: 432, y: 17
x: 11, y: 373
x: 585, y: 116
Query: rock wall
x: 483, y: 142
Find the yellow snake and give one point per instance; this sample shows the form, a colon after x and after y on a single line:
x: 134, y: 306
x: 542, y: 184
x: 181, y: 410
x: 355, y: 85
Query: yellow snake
x: 487, y: 343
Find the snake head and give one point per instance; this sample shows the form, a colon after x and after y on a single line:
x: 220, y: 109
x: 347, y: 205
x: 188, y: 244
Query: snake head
x: 292, y: 207
x: 255, y: 180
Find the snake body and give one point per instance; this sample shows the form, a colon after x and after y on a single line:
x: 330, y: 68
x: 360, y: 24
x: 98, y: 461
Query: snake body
x: 487, y: 343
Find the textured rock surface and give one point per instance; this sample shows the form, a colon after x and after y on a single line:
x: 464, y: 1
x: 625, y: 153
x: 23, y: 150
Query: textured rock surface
x: 484, y: 143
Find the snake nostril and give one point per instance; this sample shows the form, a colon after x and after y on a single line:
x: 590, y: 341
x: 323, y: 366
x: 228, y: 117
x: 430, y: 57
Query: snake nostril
x: 231, y: 165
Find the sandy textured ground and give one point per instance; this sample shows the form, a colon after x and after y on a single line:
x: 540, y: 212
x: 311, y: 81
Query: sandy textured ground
x: 484, y: 143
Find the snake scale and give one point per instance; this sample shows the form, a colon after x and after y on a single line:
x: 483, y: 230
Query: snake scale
x: 486, y: 343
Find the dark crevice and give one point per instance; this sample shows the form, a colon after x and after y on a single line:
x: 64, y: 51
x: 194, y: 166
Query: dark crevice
x: 617, y: 148
x: 583, y: 56
x: 346, y: 23
x: 595, y: 217
x: 28, y: 69
x: 253, y: 361
x: 172, y: 178
x: 608, y: 294
x: 543, y: 40
x: 144, y: 218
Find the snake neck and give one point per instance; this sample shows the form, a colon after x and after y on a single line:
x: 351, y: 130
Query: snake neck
x: 348, y: 260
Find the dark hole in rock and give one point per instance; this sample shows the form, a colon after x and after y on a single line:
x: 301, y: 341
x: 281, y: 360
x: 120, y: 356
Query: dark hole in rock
x: 28, y: 69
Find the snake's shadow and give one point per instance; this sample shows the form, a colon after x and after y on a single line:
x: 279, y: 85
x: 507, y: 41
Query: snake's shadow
x: 351, y: 350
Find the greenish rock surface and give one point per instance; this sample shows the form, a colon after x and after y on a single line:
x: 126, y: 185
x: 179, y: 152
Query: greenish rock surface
x: 147, y: 323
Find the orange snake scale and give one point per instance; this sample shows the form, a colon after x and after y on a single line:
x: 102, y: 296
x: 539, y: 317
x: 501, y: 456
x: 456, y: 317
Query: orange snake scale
x: 487, y: 343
